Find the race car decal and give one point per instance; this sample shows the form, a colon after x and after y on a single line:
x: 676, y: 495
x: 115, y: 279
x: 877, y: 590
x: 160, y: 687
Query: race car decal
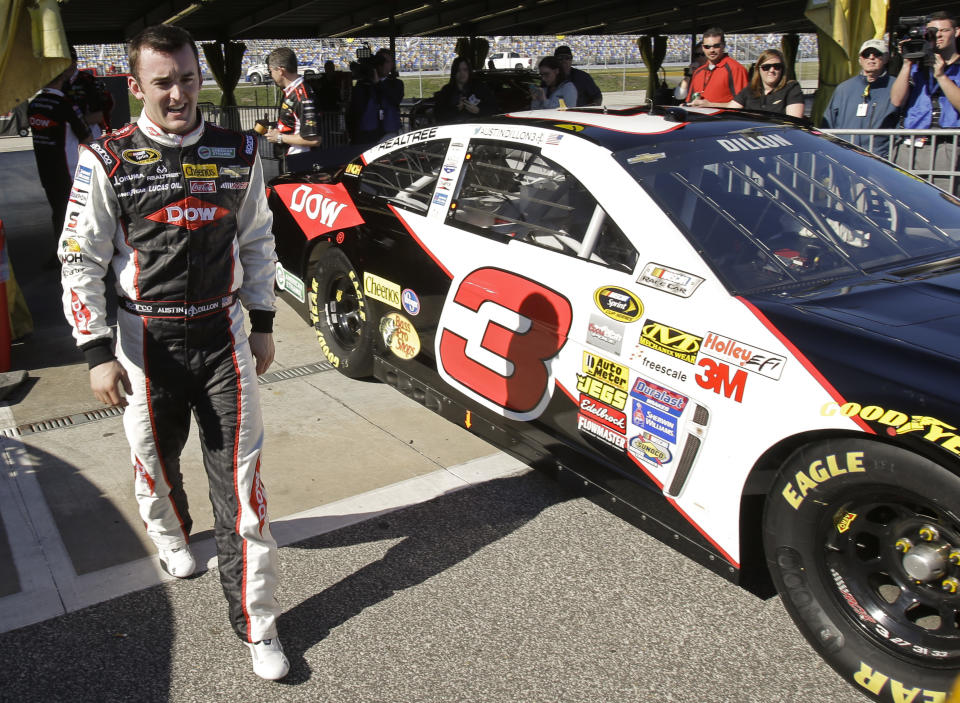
x: 319, y: 208
x: 497, y: 338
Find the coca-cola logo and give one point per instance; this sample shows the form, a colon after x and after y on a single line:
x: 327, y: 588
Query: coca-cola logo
x: 190, y: 213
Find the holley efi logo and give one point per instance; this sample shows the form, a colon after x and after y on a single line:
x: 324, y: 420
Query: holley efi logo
x: 190, y: 213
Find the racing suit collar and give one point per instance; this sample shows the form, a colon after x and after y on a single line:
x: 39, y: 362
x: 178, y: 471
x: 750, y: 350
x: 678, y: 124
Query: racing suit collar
x: 154, y: 132
x: 292, y: 86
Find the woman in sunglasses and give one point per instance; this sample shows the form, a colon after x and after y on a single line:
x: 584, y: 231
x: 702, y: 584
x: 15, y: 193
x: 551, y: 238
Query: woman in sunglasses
x: 768, y: 90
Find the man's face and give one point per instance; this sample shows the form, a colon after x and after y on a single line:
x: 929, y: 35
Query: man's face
x: 946, y: 33
x: 566, y: 62
x: 168, y: 85
x: 276, y: 73
x: 873, y: 62
x: 713, y: 48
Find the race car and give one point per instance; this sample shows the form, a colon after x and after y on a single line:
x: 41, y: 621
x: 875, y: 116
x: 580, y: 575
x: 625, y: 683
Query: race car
x: 738, y: 333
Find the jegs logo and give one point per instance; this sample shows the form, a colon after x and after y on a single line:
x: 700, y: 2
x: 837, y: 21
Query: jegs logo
x: 497, y: 338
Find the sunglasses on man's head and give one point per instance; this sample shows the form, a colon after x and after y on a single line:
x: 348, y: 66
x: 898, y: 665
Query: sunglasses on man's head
x: 772, y: 67
x: 712, y: 46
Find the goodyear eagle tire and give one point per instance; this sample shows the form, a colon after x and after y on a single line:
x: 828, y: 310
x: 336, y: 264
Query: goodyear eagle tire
x: 863, y: 543
x: 338, y: 310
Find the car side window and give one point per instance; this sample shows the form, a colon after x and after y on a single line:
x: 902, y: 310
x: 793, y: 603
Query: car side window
x: 406, y: 177
x: 512, y: 193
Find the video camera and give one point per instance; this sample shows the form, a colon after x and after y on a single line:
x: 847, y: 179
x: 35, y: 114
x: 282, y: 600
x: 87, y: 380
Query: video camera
x: 919, y: 40
x: 362, y: 68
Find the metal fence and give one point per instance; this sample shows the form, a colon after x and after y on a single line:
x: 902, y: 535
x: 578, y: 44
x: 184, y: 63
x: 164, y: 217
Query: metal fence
x: 931, y: 154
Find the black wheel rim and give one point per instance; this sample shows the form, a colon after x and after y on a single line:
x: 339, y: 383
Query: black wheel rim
x: 343, y: 312
x: 892, y: 560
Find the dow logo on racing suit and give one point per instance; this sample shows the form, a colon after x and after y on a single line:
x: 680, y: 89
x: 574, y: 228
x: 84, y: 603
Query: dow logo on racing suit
x: 497, y: 338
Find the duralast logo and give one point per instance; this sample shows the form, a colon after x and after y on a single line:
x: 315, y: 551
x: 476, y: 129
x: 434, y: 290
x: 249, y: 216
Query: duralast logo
x: 200, y: 170
x: 140, y: 157
x: 190, y: 213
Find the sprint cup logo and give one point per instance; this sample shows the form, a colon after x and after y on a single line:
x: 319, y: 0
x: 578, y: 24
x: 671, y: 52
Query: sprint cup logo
x: 140, y: 157
x: 200, y: 171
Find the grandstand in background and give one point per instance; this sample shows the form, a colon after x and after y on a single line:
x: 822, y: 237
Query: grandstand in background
x: 416, y: 54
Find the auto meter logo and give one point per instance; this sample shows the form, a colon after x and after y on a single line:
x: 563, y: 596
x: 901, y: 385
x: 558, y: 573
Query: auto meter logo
x: 618, y: 304
x: 319, y: 208
x: 140, y: 157
x: 190, y: 213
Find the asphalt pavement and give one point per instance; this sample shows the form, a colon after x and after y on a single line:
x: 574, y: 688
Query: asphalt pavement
x: 417, y: 562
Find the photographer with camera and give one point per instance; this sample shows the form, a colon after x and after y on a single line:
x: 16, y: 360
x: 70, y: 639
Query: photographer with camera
x: 928, y: 86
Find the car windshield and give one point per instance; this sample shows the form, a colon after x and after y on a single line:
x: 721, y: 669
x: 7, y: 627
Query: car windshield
x: 778, y: 209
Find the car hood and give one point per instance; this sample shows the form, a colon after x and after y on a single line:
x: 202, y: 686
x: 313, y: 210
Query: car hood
x: 881, y: 340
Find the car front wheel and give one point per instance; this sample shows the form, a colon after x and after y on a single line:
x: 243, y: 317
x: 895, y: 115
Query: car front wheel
x: 339, y: 313
x: 862, y: 539
x: 256, y: 78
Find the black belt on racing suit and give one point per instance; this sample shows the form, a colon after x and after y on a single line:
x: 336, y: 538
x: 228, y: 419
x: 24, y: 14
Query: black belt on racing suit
x: 177, y: 308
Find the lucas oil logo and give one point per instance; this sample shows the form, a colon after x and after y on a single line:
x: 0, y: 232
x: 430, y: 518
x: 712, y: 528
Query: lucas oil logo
x: 140, y: 157
x: 190, y: 213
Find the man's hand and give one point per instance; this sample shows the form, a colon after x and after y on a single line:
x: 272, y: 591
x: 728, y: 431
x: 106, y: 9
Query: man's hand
x: 103, y: 382
x: 938, y: 65
x: 261, y: 344
x: 273, y: 135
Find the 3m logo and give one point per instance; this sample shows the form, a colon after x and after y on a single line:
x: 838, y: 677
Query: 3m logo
x: 190, y: 213
x: 671, y: 341
x: 200, y: 170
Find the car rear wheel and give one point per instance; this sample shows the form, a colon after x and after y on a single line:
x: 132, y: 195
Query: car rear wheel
x: 519, y: 66
x: 256, y: 78
x: 338, y: 310
x: 863, y: 542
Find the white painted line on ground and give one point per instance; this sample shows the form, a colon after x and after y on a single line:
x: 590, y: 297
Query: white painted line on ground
x: 43, y: 600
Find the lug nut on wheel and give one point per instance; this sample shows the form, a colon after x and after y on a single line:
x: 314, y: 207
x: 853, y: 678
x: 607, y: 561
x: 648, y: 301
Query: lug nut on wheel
x: 954, y: 557
x: 928, y: 533
x: 903, y: 545
x: 950, y: 584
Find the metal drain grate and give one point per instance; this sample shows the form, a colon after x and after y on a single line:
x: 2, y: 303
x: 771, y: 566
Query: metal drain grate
x: 57, y: 423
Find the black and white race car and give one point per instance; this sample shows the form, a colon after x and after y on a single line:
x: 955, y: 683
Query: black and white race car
x: 745, y: 332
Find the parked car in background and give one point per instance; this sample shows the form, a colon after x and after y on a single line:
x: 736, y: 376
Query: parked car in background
x: 509, y: 59
x: 258, y: 73
x: 738, y: 334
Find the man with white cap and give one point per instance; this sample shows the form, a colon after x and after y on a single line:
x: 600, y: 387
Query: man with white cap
x: 863, y: 102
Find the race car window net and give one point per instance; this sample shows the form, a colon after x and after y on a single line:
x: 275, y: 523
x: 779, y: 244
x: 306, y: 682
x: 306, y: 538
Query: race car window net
x: 406, y: 177
x: 782, y: 209
x: 512, y: 194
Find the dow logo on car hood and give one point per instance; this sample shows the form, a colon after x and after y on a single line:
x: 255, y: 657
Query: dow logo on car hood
x: 319, y: 208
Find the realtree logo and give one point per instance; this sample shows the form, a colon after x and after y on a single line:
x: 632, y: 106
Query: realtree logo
x: 191, y: 213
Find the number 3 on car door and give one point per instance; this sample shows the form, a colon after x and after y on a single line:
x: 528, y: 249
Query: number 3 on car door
x: 498, y: 337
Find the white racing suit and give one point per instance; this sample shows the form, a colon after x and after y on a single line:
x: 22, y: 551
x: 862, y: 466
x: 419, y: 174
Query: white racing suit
x: 184, y: 223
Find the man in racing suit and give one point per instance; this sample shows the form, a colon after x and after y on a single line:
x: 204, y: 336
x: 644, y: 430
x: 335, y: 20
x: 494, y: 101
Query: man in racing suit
x: 297, y: 129
x: 58, y: 130
x: 177, y: 208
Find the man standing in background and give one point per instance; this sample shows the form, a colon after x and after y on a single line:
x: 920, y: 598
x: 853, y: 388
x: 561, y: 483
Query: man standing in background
x: 721, y: 77
x: 587, y: 91
x: 297, y: 129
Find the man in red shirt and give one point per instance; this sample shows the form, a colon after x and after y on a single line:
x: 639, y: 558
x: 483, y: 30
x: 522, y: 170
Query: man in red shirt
x: 721, y: 77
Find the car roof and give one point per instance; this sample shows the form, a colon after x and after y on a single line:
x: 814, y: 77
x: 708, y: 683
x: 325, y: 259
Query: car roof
x: 622, y: 129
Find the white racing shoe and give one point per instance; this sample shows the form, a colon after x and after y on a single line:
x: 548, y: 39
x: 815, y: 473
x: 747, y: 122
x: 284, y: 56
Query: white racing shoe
x: 269, y: 661
x: 178, y: 562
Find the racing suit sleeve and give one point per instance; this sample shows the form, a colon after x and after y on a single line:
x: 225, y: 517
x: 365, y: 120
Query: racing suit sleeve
x: 258, y: 257
x: 86, y: 249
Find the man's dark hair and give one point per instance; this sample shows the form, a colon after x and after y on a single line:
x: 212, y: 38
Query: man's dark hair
x: 381, y: 57
x: 942, y: 15
x: 715, y: 32
x: 165, y: 38
x: 282, y: 57
x: 562, y: 50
